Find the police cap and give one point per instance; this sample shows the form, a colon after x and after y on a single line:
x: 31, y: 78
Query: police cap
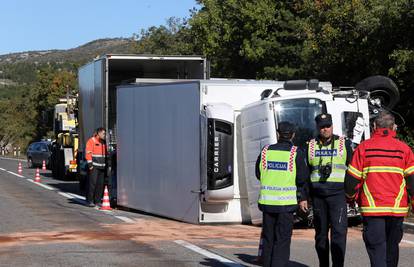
x: 323, y: 120
x: 285, y: 127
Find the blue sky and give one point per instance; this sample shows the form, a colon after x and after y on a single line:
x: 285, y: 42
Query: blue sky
x: 27, y: 25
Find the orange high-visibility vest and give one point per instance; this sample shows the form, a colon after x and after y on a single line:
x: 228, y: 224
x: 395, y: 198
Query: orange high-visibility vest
x: 96, y: 153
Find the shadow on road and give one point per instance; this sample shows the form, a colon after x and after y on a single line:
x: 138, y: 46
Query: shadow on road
x: 249, y: 259
x: 71, y: 187
x: 215, y: 263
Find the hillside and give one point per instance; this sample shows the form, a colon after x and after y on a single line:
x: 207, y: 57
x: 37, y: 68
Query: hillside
x: 81, y: 54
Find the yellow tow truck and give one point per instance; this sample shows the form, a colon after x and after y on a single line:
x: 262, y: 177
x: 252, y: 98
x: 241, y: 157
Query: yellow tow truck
x: 66, y: 143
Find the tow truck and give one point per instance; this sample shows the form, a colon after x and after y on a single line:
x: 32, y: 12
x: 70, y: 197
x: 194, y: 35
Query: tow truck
x: 64, y: 147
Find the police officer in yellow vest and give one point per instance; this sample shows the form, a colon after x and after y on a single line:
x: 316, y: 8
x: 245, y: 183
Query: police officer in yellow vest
x: 282, y: 171
x: 328, y: 158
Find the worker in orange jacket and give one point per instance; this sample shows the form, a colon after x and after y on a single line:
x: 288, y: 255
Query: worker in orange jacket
x: 96, y: 156
x: 380, y: 177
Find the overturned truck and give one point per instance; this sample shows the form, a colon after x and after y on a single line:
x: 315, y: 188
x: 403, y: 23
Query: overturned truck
x: 184, y: 146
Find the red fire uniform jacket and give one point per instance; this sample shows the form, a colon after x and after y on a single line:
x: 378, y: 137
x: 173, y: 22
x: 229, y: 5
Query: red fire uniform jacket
x: 381, y: 175
x: 96, y: 153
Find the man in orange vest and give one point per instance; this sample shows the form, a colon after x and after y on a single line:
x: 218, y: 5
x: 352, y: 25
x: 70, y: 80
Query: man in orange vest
x: 96, y: 156
x: 380, y: 177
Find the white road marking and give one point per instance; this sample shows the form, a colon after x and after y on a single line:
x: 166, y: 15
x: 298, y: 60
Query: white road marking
x: 12, y: 159
x: 42, y: 185
x: 408, y: 223
x: 125, y: 219
x: 18, y: 175
x: 77, y: 196
x: 65, y: 195
x: 2, y: 169
x: 207, y: 253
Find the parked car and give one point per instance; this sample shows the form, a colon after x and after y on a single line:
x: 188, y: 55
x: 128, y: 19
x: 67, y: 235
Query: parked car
x: 39, y: 152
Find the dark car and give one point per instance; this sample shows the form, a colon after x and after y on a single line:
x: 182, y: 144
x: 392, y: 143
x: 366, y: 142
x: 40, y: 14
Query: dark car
x: 39, y: 152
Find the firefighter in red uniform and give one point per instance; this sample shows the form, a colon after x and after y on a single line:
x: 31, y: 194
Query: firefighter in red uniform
x: 380, y: 177
x: 96, y: 155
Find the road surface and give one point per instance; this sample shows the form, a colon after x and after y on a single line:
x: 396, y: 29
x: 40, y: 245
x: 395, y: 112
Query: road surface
x: 48, y: 225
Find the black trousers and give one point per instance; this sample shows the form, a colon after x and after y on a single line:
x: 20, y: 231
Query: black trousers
x: 382, y: 236
x: 330, y: 212
x: 95, y: 185
x: 277, y: 235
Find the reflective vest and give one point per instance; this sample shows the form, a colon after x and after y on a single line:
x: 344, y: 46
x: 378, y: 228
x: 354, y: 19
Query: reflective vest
x: 381, y: 165
x: 278, y: 177
x: 96, y: 153
x: 321, y: 156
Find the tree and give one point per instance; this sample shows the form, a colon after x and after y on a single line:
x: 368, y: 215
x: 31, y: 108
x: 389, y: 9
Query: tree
x: 347, y: 41
x: 249, y: 39
x: 172, y: 39
x: 51, y: 85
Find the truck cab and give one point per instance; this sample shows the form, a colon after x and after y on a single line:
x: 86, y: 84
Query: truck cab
x: 298, y: 102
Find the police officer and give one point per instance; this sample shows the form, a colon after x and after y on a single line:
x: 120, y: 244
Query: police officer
x: 282, y: 171
x: 382, y: 170
x: 328, y: 157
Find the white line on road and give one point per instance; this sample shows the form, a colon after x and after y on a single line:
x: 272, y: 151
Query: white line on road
x: 77, y: 196
x: 208, y: 254
x: 12, y: 159
x: 42, y: 185
x: 18, y: 175
x: 2, y: 169
x: 125, y: 219
x: 65, y: 195
x: 74, y: 197
x: 411, y: 224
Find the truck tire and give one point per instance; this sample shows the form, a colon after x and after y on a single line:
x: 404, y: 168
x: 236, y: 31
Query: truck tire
x: 382, y: 88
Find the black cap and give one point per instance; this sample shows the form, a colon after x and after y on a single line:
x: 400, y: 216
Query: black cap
x: 285, y: 127
x: 324, y: 120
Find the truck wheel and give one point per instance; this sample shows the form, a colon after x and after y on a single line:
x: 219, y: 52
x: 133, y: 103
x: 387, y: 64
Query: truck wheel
x: 382, y: 88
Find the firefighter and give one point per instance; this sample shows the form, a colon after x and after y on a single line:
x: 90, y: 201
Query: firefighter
x: 282, y: 171
x: 96, y: 154
x: 379, y: 177
x: 328, y: 157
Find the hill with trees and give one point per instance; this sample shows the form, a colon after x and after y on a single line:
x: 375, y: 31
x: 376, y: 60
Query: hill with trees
x: 31, y: 83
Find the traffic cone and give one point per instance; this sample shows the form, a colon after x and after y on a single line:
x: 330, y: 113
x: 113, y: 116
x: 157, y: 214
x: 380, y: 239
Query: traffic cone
x: 37, y: 176
x: 19, y: 169
x: 105, y: 203
x: 44, y: 166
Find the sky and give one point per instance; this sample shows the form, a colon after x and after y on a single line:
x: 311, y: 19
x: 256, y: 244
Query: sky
x: 28, y: 25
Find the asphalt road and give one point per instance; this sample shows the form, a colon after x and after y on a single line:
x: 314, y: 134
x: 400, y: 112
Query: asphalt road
x: 48, y: 225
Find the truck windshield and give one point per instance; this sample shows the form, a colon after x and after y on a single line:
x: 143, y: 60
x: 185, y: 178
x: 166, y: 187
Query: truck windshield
x: 302, y: 113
